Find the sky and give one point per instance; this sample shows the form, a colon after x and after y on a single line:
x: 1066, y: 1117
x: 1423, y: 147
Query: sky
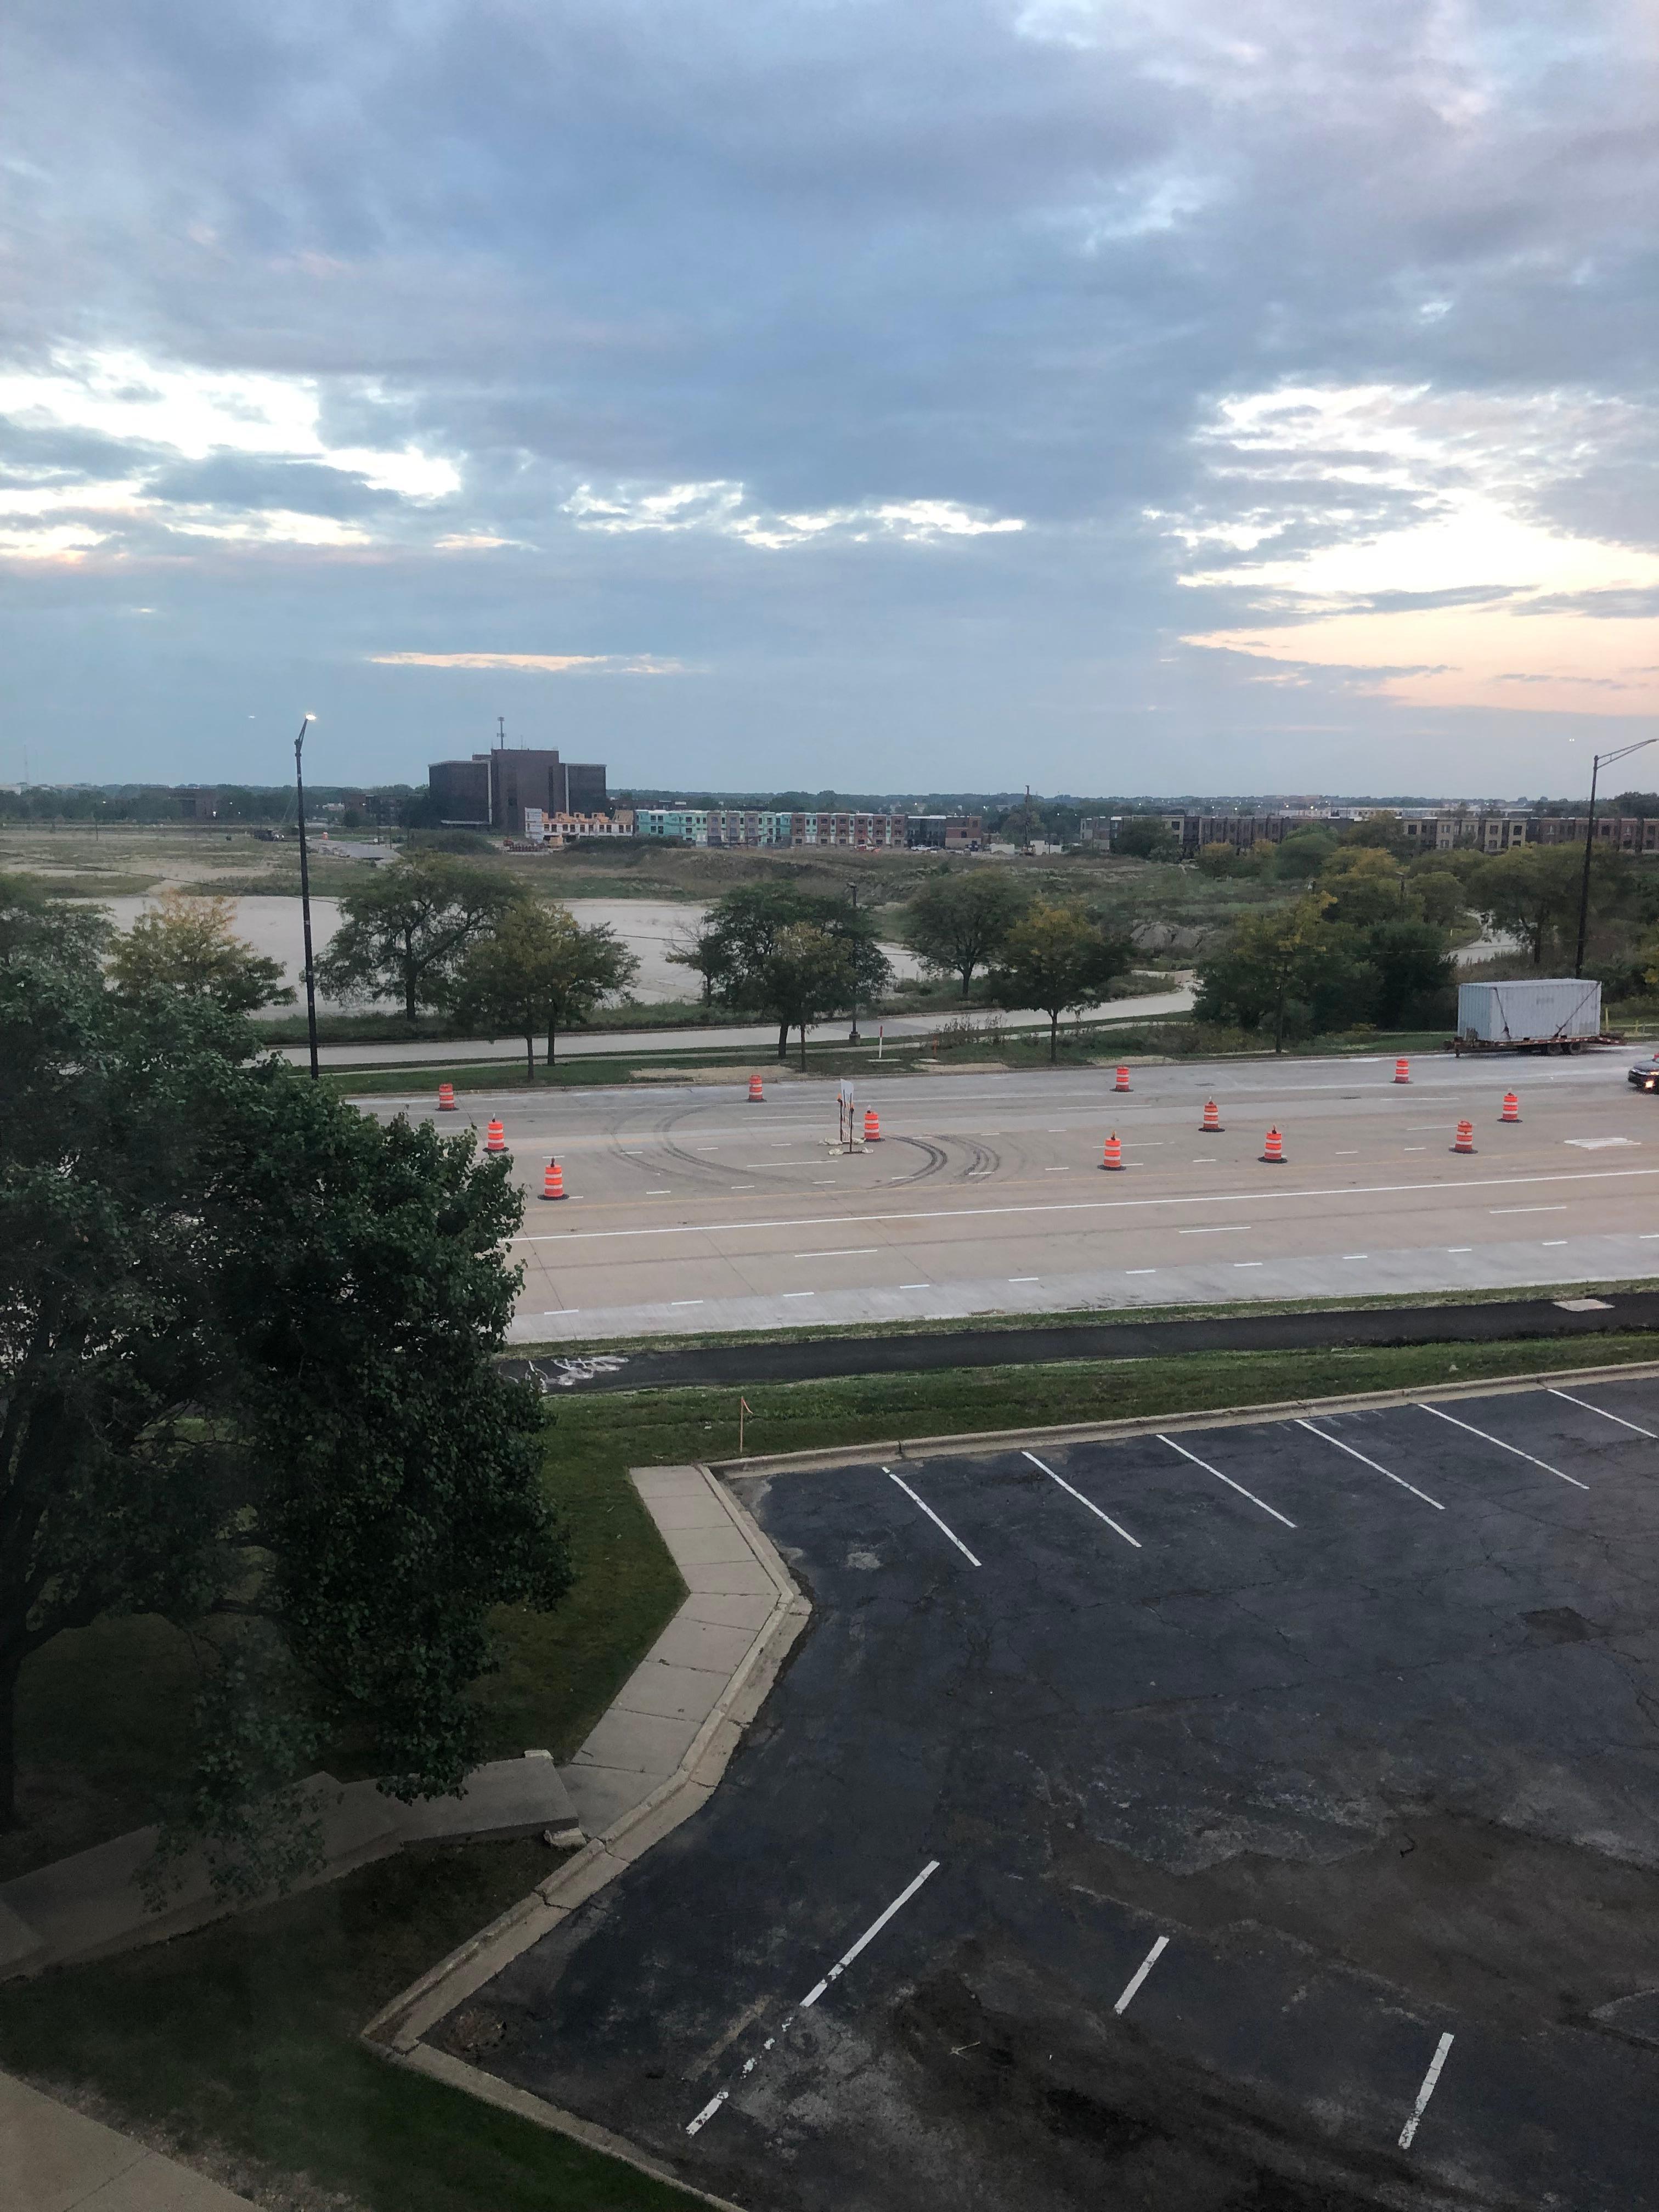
x: 1123, y: 396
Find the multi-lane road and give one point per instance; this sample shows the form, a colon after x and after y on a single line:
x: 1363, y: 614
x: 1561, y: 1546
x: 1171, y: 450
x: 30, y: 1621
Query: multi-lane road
x: 691, y: 1209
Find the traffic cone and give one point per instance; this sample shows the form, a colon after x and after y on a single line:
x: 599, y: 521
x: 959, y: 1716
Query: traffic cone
x: 755, y: 1090
x: 446, y: 1099
x: 495, y: 1138
x: 1211, y: 1124
x: 1122, y: 1083
x: 1113, y: 1157
x: 1403, y: 1069
x: 872, y: 1126
x: 1274, y: 1155
x: 553, y: 1180
x: 1512, y: 1108
x: 1464, y: 1140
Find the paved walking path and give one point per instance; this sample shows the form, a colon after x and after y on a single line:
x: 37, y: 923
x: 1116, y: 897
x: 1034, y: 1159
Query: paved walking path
x: 55, y: 2159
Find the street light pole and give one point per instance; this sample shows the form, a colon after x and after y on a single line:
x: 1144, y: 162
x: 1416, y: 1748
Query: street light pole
x: 852, y: 1036
x: 304, y: 896
x: 1597, y: 765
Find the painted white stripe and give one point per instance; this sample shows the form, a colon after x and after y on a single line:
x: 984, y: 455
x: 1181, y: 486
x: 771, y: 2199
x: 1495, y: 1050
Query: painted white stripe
x: 1104, y: 1205
x: 1140, y: 1974
x: 1603, y: 1412
x: 1502, y: 1446
x: 1526, y: 1209
x: 843, y: 1252
x: 1227, y: 1479
x: 1372, y: 1464
x: 1081, y: 1500
x: 709, y: 2111
x: 932, y: 1515
x: 869, y: 1935
x: 1425, y: 2092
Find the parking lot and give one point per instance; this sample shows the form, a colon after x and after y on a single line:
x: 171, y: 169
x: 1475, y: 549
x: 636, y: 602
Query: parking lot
x: 1260, y: 1815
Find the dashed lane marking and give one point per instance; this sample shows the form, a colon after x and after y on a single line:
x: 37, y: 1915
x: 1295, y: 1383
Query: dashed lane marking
x: 1140, y: 1974
x: 1425, y: 2092
x: 1116, y: 1529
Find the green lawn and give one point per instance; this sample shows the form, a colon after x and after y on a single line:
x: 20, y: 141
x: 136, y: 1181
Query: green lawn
x: 243, y: 2037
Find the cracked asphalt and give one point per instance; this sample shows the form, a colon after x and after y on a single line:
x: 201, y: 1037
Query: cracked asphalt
x: 1347, y: 1735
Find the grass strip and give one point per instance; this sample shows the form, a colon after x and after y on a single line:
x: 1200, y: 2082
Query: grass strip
x: 239, y: 2044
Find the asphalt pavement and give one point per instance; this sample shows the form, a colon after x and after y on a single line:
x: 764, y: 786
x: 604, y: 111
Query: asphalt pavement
x: 1262, y: 1815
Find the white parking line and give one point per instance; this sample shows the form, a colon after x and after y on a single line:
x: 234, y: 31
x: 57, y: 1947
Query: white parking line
x: 1082, y: 1500
x: 1140, y: 1974
x: 1425, y: 2092
x: 1472, y: 1431
x: 932, y: 1515
x: 1227, y: 1479
x: 1603, y: 1412
x: 1372, y: 1464
x: 694, y: 2126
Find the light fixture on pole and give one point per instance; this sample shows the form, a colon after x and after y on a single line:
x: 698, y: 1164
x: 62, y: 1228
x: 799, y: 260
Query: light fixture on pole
x: 304, y: 895
x: 1600, y: 761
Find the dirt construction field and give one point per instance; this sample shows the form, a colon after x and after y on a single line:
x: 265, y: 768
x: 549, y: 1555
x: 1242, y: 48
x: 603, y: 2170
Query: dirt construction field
x: 1258, y: 1818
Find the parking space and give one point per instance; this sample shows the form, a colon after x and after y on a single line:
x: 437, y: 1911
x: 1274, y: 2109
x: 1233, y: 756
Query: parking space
x: 1264, y: 1808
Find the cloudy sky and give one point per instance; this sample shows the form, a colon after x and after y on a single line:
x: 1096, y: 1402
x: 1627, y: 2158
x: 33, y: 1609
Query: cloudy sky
x: 1126, y: 395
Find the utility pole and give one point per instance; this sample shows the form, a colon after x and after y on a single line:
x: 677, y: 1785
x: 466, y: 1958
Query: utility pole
x: 1598, y: 762
x: 304, y: 895
x: 852, y: 1036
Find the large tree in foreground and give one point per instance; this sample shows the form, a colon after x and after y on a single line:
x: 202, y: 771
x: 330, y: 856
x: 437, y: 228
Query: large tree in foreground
x: 187, y: 944
x: 1056, y: 957
x: 405, y: 928
x: 538, y: 971
x: 958, y: 924
x: 246, y: 1383
x: 789, y: 981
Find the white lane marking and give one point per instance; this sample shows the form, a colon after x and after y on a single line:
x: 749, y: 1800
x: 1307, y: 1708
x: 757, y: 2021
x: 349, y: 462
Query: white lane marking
x: 1425, y: 2092
x: 1350, y: 1152
x: 1599, y: 1144
x: 800, y: 1294
x: 1249, y: 1263
x: 709, y: 2111
x: 932, y: 1515
x: 1140, y: 1974
x: 841, y: 1252
x: 656, y: 1193
x: 1647, y: 1236
x: 1371, y: 1463
x: 1550, y: 1243
x: 915, y: 1286
x: 1231, y: 1229
x: 1603, y: 1412
x: 685, y: 1301
x: 1356, y: 1255
x: 1526, y: 1209
x: 869, y: 1935
x: 1100, y: 1205
x: 1081, y: 1500
x: 1025, y: 1279
x: 1140, y: 1270
x: 1227, y: 1479
x: 1472, y: 1431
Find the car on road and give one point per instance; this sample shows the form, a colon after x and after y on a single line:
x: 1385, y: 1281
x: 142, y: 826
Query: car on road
x: 1644, y: 1073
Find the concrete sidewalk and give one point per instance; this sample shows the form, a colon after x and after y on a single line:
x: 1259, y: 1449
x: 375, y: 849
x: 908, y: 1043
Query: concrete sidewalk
x: 55, y: 2159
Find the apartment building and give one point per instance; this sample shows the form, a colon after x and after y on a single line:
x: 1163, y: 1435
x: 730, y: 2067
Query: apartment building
x: 859, y: 832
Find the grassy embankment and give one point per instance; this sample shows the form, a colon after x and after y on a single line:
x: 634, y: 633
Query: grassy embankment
x: 238, y: 2046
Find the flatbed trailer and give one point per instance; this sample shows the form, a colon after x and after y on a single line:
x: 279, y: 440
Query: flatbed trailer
x: 1459, y: 1045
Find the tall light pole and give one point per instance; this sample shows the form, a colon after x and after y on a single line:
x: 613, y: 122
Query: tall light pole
x: 852, y: 1036
x: 1597, y: 765
x: 305, y: 894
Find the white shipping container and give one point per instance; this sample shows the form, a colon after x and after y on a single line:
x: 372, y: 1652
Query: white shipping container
x: 1516, y: 1014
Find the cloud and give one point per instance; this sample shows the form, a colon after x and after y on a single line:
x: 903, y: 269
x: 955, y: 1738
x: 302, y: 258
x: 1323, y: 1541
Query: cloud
x: 722, y: 510
x: 544, y: 664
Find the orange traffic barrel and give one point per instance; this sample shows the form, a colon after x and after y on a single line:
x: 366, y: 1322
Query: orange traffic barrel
x: 872, y: 1126
x: 446, y: 1099
x: 1403, y: 1069
x: 495, y: 1138
x: 1113, y: 1157
x: 1274, y: 1155
x: 755, y: 1090
x: 1211, y: 1124
x: 1512, y: 1108
x: 553, y: 1180
x: 1464, y: 1140
x: 1122, y: 1083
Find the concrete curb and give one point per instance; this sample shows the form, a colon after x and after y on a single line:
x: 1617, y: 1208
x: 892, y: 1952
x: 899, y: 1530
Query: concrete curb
x: 396, y: 2030
x: 915, y: 1448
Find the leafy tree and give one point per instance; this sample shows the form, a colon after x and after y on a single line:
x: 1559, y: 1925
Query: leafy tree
x: 1056, y: 957
x: 1532, y: 890
x: 246, y: 1384
x: 705, y: 950
x: 1410, y: 969
x: 1366, y: 884
x: 1146, y: 837
x: 750, y: 922
x: 1284, y: 968
x: 806, y: 976
x: 959, y: 923
x: 407, y: 925
x: 187, y: 945
x: 536, y: 970
x: 33, y: 925
x: 1218, y: 859
x: 1380, y: 832
x: 1299, y: 857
